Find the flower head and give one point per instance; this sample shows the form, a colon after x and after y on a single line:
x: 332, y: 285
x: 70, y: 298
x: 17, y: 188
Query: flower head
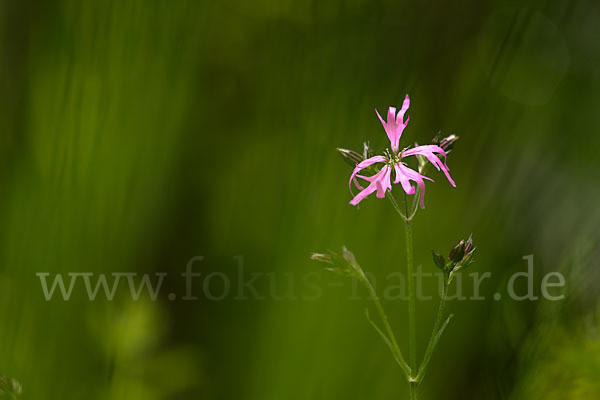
x: 381, y: 182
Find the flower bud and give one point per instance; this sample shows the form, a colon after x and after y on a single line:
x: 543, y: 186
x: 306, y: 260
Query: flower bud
x: 422, y: 162
x: 467, y: 258
x: 350, y: 156
x: 461, y: 256
x: 343, y: 263
x: 367, y: 150
x: 439, y: 260
x: 446, y: 143
x: 348, y: 256
x: 469, y: 245
x: 457, y: 252
x: 324, y: 258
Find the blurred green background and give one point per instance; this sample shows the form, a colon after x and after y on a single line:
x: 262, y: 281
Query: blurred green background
x: 135, y: 135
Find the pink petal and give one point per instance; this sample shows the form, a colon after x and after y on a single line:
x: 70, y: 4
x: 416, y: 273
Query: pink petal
x: 370, y: 161
x: 384, y: 183
x: 362, y: 165
x: 416, y: 177
x: 391, y: 118
x: 404, y: 181
x: 372, y: 187
x: 363, y: 194
x: 428, y: 148
x: 429, y: 152
x: 379, y: 182
x: 388, y: 129
x: 403, y: 110
x: 395, y: 123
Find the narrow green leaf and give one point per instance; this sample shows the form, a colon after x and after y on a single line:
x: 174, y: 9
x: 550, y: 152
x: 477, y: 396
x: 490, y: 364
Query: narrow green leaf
x: 385, y: 339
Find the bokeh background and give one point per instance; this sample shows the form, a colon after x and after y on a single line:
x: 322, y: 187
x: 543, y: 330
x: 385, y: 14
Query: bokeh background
x: 135, y: 135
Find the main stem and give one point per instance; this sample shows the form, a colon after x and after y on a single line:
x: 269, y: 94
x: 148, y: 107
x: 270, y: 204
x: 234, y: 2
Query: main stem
x: 412, y: 326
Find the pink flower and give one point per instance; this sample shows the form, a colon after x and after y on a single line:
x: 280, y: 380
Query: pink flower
x: 381, y: 182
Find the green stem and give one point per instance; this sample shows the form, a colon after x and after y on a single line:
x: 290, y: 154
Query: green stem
x: 412, y: 334
x: 414, y: 207
x: 414, y: 390
x: 392, y: 199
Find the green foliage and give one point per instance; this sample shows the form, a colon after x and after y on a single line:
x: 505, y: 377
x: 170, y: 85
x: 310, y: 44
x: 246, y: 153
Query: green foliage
x: 10, y: 388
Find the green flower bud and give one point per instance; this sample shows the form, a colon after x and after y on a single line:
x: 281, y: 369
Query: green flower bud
x: 461, y: 256
x: 350, y: 156
x: 439, y: 260
x: 422, y: 162
x: 446, y: 143
x: 367, y: 150
x: 320, y: 257
x: 348, y: 256
x: 344, y: 263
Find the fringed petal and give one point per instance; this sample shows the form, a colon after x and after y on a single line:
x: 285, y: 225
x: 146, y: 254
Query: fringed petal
x: 403, y: 180
x: 429, y: 151
x: 395, y: 123
x: 362, y: 165
x: 416, y: 177
x: 379, y: 182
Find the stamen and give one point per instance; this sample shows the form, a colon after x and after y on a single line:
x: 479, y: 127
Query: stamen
x: 388, y: 157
